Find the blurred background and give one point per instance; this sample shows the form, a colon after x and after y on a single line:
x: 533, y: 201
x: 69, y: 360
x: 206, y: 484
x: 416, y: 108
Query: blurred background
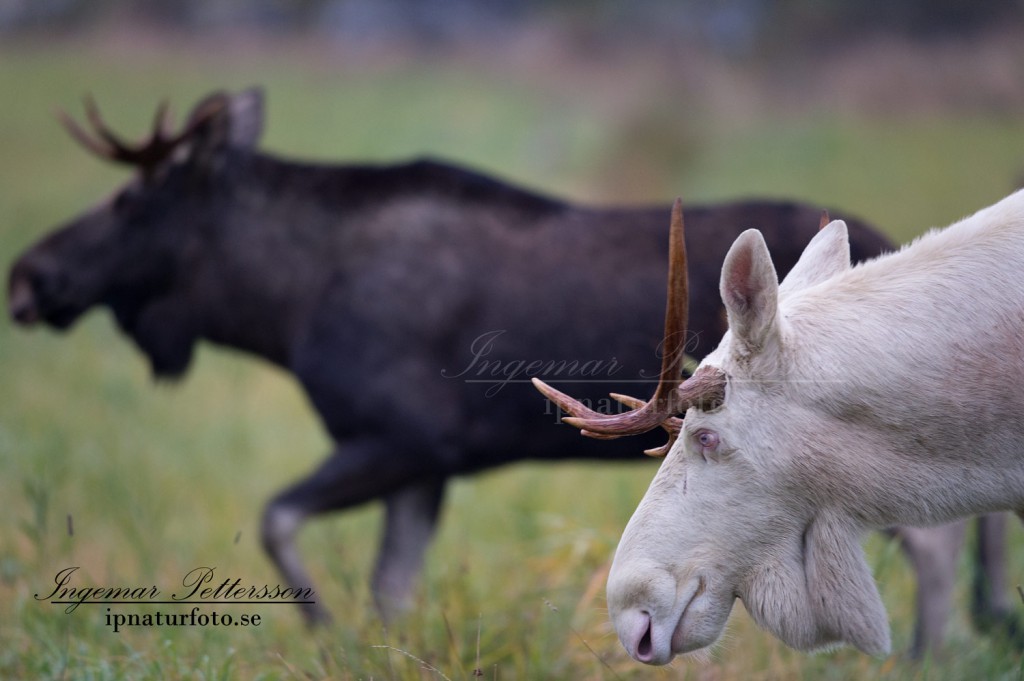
x: 907, y: 114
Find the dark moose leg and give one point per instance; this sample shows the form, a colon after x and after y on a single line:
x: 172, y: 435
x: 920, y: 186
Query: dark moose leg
x: 991, y: 604
x: 353, y: 474
x: 933, y: 554
x: 412, y: 515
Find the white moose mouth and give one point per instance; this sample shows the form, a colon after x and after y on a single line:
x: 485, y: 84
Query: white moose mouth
x: 683, y: 640
x: 656, y: 640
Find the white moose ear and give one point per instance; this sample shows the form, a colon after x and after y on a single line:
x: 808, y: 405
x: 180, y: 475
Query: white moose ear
x: 844, y: 601
x: 825, y: 256
x: 750, y: 291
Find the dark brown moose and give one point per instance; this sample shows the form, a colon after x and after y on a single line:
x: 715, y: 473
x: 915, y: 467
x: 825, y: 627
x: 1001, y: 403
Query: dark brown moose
x: 413, y: 303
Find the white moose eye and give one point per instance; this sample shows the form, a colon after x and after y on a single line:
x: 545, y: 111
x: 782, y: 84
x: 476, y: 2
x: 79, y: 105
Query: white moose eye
x: 707, y: 442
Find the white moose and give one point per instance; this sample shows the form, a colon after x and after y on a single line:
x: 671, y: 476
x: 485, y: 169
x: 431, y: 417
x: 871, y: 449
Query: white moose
x: 844, y: 399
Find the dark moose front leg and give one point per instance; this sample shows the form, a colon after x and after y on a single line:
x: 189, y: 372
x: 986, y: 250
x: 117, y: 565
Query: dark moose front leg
x: 353, y: 474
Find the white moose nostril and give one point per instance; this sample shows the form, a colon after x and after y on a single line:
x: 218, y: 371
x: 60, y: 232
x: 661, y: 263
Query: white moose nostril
x: 645, y: 648
x: 635, y: 634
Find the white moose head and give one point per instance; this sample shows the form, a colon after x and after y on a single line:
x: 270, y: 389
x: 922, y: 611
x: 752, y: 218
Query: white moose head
x: 827, y: 409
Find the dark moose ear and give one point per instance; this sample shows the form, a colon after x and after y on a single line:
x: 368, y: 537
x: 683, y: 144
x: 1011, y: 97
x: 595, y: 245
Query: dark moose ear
x: 221, y: 120
x: 246, y: 118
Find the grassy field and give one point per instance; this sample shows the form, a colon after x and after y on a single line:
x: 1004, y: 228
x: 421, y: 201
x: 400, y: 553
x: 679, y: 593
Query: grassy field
x: 139, y: 483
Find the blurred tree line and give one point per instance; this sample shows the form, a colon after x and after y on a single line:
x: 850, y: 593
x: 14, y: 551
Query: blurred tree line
x: 727, y: 24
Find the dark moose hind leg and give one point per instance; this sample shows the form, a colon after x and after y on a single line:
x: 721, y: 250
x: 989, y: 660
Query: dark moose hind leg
x: 992, y: 605
x: 411, y: 516
x: 933, y: 553
x: 354, y: 474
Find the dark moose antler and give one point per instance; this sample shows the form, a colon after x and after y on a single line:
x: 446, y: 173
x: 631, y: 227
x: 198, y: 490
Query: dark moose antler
x: 705, y: 389
x: 146, y: 155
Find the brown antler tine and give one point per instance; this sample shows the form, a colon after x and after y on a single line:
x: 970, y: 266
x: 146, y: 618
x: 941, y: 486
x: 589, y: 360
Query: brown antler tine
x: 676, y: 307
x: 672, y: 425
x: 119, y: 149
x: 572, y: 406
x: 628, y: 400
x: 82, y: 137
x: 563, y: 401
x: 823, y: 220
x: 162, y: 121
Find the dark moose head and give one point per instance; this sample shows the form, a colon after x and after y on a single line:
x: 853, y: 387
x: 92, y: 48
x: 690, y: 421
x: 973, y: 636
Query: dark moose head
x: 134, y: 251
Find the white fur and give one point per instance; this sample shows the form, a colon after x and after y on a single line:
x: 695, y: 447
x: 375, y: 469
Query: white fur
x: 884, y: 394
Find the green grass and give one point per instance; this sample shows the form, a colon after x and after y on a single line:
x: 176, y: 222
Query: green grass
x: 160, y: 479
